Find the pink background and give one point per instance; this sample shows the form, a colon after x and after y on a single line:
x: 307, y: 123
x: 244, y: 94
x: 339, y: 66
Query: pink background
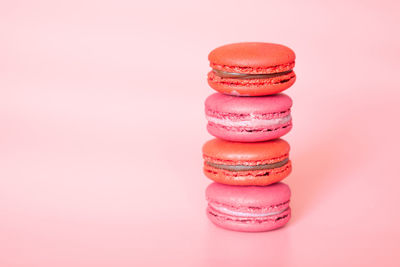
x: 101, y: 128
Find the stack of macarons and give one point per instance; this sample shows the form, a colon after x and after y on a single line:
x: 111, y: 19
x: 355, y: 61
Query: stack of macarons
x: 248, y: 115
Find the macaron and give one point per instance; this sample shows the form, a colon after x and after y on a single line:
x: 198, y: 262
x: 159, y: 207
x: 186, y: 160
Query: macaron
x: 251, y: 69
x: 248, y: 119
x: 236, y: 163
x: 248, y: 208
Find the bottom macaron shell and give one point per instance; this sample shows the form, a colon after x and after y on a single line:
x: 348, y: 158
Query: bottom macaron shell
x: 257, y: 177
x: 248, y: 136
x: 248, y: 224
x: 251, y: 90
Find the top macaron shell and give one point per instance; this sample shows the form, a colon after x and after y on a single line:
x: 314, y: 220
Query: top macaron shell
x: 245, y: 153
x: 248, y: 196
x: 252, y: 58
x: 247, y: 105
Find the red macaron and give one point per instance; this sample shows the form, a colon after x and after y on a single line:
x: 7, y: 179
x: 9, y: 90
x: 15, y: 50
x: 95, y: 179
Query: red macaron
x: 251, y: 69
x: 237, y: 163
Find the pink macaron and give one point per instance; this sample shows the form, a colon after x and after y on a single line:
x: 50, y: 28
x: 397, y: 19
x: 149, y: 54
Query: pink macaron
x: 248, y: 119
x: 248, y: 208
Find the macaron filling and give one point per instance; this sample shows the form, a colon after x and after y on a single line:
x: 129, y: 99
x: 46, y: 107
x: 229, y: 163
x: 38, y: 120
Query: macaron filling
x: 234, y: 75
x: 228, y: 211
x: 252, y: 121
x: 237, y: 168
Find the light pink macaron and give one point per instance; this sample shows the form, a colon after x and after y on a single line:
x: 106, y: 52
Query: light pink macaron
x: 248, y: 208
x: 248, y: 119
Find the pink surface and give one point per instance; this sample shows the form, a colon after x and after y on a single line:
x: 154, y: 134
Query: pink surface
x: 92, y: 175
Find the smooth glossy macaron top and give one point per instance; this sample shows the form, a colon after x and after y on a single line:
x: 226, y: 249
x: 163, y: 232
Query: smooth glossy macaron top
x: 253, y: 58
x: 246, y: 153
x: 248, y: 105
x: 248, y: 196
